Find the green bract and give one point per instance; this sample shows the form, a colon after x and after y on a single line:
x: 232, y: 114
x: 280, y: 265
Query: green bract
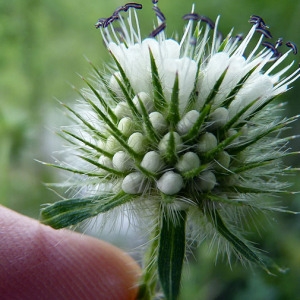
x: 185, y: 132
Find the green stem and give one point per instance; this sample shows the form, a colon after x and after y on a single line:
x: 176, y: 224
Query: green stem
x: 149, y: 277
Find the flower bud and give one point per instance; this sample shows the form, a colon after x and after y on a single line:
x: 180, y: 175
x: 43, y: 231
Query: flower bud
x: 207, y: 142
x: 152, y: 162
x: 106, y: 162
x: 188, y: 162
x: 126, y: 126
x: 187, y: 122
x: 137, y: 142
x: 112, y: 144
x: 207, y: 181
x: 134, y: 183
x: 223, y: 161
x: 158, y: 122
x: 122, y: 110
x: 219, y: 118
x: 164, y: 142
x: 170, y: 183
x: 121, y: 161
x: 145, y: 99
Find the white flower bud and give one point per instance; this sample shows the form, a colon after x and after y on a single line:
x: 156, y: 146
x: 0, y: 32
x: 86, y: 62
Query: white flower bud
x: 101, y: 144
x: 152, y: 162
x: 207, y: 181
x: 223, y: 161
x: 112, y: 144
x: 121, y: 161
x: 137, y: 142
x: 170, y: 183
x: 126, y: 126
x: 219, y: 118
x: 133, y: 183
x: 187, y: 122
x: 105, y: 161
x: 122, y: 110
x: 187, y: 162
x: 145, y: 99
x: 207, y: 142
x: 164, y: 142
x: 158, y: 122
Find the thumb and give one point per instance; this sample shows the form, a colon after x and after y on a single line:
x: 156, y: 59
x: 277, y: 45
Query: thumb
x: 38, y: 262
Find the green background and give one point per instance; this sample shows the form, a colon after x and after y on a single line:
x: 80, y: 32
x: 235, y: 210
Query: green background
x: 42, y: 49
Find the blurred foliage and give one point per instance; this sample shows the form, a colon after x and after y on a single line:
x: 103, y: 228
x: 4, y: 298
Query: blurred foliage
x: 43, y: 44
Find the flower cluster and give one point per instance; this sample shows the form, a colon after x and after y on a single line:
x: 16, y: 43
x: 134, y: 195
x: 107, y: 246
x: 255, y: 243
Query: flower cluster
x: 186, y: 130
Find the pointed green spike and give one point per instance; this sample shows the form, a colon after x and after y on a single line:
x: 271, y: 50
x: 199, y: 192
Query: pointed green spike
x: 159, y: 98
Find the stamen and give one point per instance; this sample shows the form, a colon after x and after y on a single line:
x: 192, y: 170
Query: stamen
x: 110, y: 20
x: 133, y: 5
x: 100, y: 22
x: 104, y: 22
x: 239, y: 37
x: 208, y: 21
x: 293, y: 46
x: 273, y: 48
x: 154, y: 1
x: 257, y: 20
x: 159, y: 14
x: 279, y: 42
x: 157, y: 30
x: 264, y: 32
x: 192, y: 17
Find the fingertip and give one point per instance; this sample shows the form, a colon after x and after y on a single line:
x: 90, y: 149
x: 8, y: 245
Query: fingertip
x: 38, y: 262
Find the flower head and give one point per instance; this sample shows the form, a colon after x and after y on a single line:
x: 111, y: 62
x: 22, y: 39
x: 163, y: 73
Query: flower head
x: 185, y: 130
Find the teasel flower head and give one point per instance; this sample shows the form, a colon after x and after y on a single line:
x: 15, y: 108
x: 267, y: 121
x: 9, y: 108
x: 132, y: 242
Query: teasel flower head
x: 182, y: 132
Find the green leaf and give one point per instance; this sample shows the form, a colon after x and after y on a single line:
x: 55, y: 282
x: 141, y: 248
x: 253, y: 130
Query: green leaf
x: 102, y: 102
x: 159, y: 99
x: 69, y: 212
x: 239, y: 246
x: 171, y: 253
x: 171, y: 151
x: 173, y: 114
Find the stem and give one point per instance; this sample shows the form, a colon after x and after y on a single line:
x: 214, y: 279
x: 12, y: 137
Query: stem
x: 149, y: 277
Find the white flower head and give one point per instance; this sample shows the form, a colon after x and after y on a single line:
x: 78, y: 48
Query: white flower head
x: 184, y: 129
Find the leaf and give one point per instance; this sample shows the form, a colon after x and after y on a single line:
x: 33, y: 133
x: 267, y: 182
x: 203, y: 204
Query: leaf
x: 171, y: 253
x: 159, y: 99
x: 69, y: 212
x: 173, y: 114
x: 239, y: 246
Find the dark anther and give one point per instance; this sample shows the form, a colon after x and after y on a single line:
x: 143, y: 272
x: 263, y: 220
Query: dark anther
x: 100, y: 23
x: 279, y: 42
x: 157, y: 30
x: 256, y: 20
x: 126, y: 7
x: 110, y: 20
x: 264, y: 31
x: 154, y: 1
x: 191, y: 16
x: 104, y: 22
x: 271, y: 47
x: 293, y: 46
x: 208, y: 21
x: 159, y: 14
x: 239, y: 37
x: 133, y: 5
